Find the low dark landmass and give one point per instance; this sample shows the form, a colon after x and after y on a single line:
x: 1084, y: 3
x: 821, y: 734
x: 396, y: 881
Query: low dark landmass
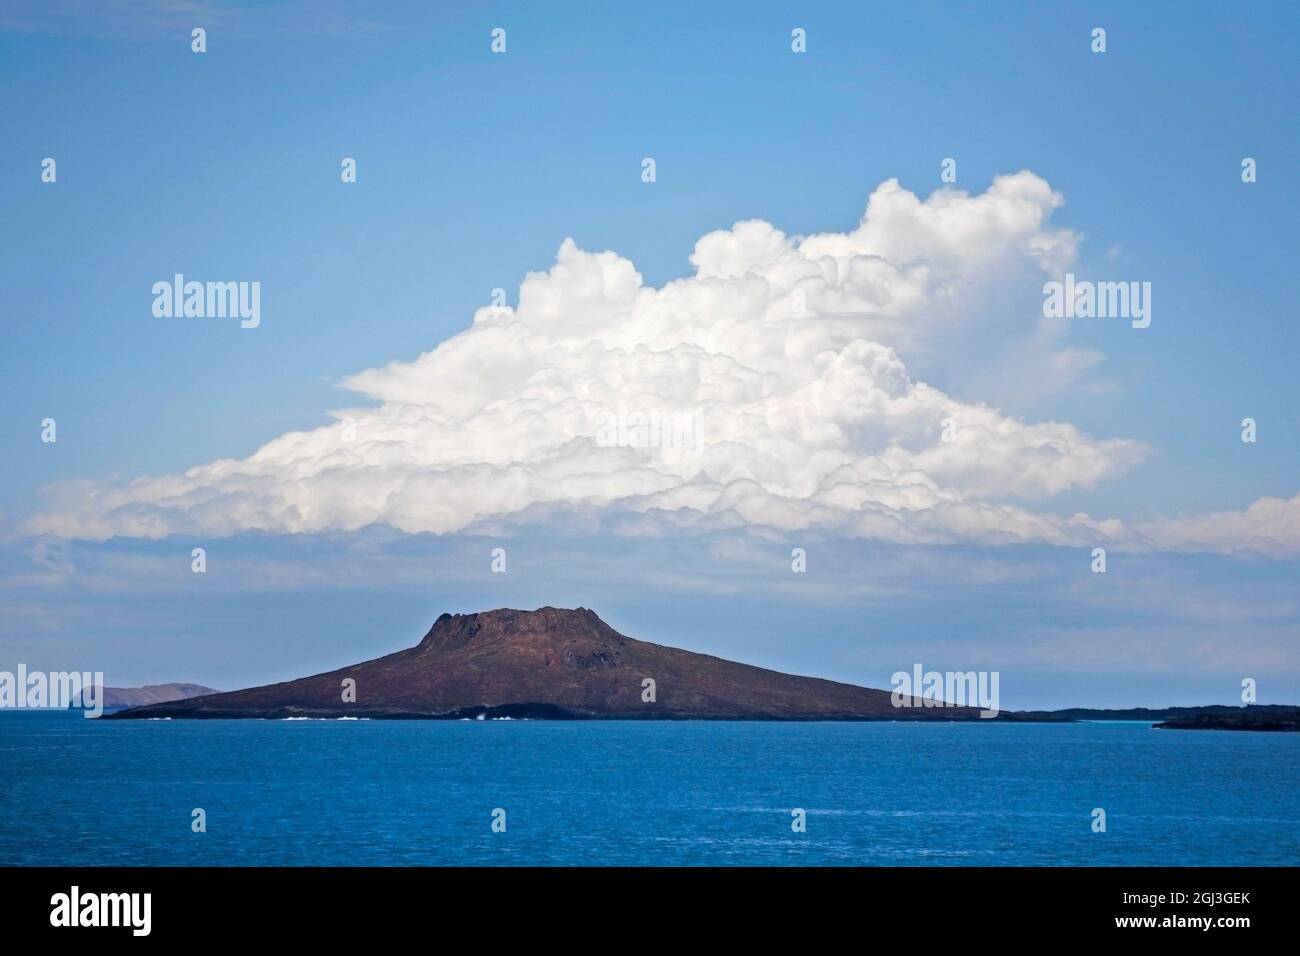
x: 1269, y: 718
x: 150, y: 694
x: 555, y: 664
x: 1165, y: 714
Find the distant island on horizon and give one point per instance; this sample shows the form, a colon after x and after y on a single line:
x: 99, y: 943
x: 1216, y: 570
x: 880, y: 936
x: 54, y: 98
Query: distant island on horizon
x: 149, y: 694
x: 556, y: 663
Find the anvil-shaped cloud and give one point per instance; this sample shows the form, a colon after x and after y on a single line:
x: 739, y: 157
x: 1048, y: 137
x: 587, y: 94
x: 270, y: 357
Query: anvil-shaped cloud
x: 766, y: 390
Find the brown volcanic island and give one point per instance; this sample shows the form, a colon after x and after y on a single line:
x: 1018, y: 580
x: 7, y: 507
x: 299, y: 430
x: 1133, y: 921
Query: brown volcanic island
x: 552, y: 663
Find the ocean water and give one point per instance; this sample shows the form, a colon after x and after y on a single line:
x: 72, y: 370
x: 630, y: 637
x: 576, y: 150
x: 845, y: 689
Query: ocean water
x: 78, y: 791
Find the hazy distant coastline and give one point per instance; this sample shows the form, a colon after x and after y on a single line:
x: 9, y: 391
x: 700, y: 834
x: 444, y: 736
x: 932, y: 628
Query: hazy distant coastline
x: 120, y: 697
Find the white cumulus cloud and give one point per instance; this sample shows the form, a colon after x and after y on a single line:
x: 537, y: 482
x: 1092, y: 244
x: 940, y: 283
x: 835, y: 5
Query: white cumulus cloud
x: 767, y: 389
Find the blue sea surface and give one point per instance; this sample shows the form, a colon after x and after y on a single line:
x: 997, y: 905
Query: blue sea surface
x: 342, y: 792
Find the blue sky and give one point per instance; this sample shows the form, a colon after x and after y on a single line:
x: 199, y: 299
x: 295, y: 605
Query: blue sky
x: 472, y: 169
